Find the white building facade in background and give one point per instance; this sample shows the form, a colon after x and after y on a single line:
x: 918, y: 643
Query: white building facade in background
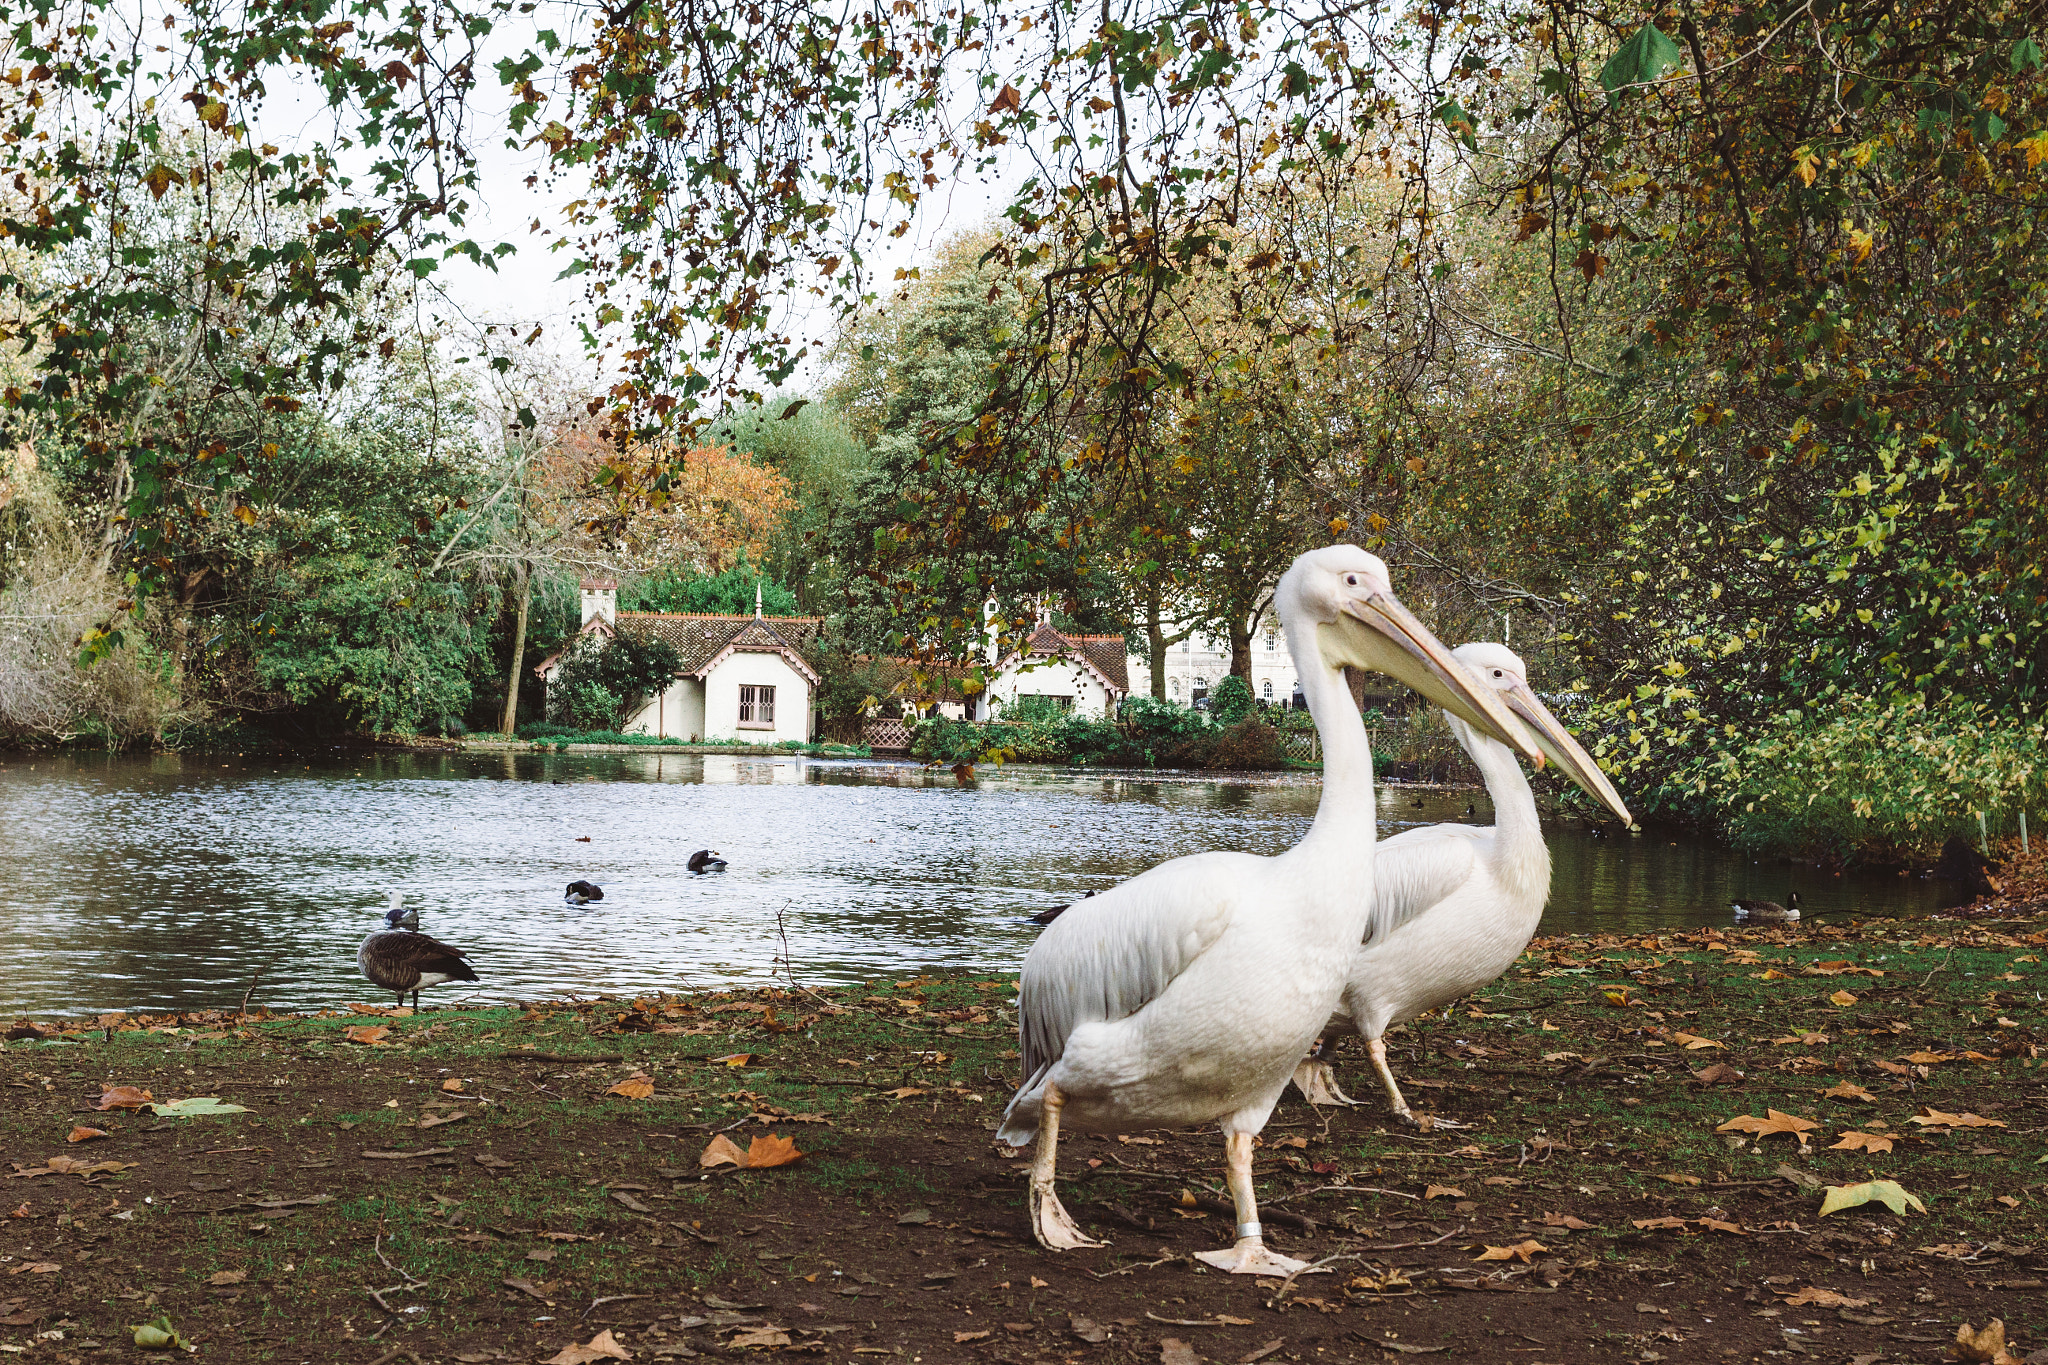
x: 1198, y: 663
x: 740, y: 677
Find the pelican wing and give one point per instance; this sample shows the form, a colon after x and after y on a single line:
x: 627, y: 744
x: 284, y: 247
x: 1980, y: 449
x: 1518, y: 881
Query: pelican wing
x: 1107, y: 957
x: 1418, y: 868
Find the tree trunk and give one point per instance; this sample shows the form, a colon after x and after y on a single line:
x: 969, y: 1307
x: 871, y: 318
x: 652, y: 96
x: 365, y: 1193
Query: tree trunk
x: 525, y: 590
x: 1242, y: 625
x: 1155, y: 643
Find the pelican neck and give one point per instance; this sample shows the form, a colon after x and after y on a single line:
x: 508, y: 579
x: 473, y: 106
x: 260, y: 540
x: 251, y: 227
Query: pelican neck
x: 1346, y: 811
x: 1519, y: 852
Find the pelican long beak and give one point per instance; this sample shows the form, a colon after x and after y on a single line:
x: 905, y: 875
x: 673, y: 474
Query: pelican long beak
x: 1557, y: 742
x: 1384, y: 636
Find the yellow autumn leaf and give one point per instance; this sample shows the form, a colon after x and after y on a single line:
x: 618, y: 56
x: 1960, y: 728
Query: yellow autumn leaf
x: 1842, y: 998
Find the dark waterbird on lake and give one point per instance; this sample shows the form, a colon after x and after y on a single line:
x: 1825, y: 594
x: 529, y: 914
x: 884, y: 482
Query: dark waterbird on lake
x: 402, y: 960
x: 706, y: 860
x: 1767, y: 910
x: 583, y: 893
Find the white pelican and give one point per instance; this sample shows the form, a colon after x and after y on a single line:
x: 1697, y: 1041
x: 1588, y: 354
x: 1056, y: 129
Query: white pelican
x: 400, y: 959
x: 1187, y: 994
x: 1455, y: 905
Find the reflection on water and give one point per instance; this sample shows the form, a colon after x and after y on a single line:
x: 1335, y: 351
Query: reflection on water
x: 165, y: 882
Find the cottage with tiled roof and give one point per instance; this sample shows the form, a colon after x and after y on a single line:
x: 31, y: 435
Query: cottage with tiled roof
x: 740, y: 677
x: 1087, y: 675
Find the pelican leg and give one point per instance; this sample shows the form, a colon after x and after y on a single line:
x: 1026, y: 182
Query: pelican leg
x: 1051, y: 1224
x: 1249, y: 1256
x: 1378, y: 1048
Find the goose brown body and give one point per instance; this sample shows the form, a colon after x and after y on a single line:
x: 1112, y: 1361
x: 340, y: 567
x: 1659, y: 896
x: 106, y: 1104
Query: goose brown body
x: 404, y: 960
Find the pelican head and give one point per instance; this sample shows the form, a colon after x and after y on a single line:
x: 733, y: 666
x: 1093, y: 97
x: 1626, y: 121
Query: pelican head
x: 1348, y: 596
x: 1501, y: 670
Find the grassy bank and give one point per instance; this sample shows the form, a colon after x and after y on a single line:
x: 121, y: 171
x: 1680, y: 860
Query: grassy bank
x: 501, y: 1184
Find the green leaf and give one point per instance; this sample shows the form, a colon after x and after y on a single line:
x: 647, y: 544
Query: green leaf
x: 1887, y: 1192
x: 196, y: 1108
x: 1647, y: 55
x: 158, y: 1335
x: 2026, y: 55
x: 1988, y: 127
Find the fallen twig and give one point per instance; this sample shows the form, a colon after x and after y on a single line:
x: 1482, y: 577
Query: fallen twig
x: 1404, y: 1246
x: 1313, y: 1267
x: 1128, y: 1269
x: 1185, y: 1322
x: 1360, y: 1189
x: 410, y: 1278
x: 242, y: 1015
x: 616, y: 1298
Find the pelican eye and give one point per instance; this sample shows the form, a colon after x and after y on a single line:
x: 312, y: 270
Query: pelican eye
x: 1352, y: 579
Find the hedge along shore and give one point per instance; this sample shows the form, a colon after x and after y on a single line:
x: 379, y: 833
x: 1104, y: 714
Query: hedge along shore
x: 526, y: 1182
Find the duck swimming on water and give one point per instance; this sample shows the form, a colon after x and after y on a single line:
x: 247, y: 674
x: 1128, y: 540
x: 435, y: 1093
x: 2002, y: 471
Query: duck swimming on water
x: 583, y: 893
x: 706, y: 860
x: 405, y: 960
x: 1767, y: 910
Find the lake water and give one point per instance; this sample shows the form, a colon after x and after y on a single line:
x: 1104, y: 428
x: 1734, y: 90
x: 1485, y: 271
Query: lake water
x: 165, y: 882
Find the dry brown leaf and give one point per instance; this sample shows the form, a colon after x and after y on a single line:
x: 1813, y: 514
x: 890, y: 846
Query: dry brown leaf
x: 1443, y: 1191
x: 603, y: 1346
x: 1679, y: 1178
x: 760, y: 1336
x: 84, y: 1134
x: 1693, y: 1042
x: 1720, y: 1073
x: 1849, y: 1090
x: 1842, y: 998
x: 1665, y: 1222
x: 1809, y: 1039
x: 1982, y: 1346
x: 1862, y: 1142
x: 1174, y: 1351
x: 1963, y: 1120
x: 735, y: 1058
x: 221, y: 1277
x: 1816, y: 1297
x: 1774, y: 1122
x: 34, y: 1268
x: 451, y: 1086
x: 982, y: 1335
x: 903, y: 1092
x: 1926, y: 1058
x: 1564, y: 1220
x: 722, y: 1152
x: 371, y: 1034
x: 1891, y: 1067
x: 123, y: 1097
x: 635, y: 1087
x: 1521, y: 1251
x: 1717, y: 1225
x: 771, y: 1150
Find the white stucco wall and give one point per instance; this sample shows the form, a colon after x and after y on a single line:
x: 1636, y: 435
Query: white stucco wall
x: 1056, y: 678
x: 722, y: 698
x: 677, y: 713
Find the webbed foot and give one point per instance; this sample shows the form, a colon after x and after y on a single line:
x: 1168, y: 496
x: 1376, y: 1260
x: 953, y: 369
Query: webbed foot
x: 1317, y: 1082
x: 1251, y: 1257
x: 1053, y: 1226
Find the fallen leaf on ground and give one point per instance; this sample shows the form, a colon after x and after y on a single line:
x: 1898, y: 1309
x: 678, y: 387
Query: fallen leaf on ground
x: 983, y: 1334
x: 1964, y: 1120
x: 1261, y: 1352
x: 451, y: 1086
x: 759, y: 1336
x: 84, y: 1134
x: 761, y: 1153
x: 1862, y: 1142
x: 1665, y: 1222
x: 197, y: 1107
x: 158, y: 1335
x: 635, y: 1087
x: 528, y: 1288
x: 603, y: 1346
x: 735, y: 1058
x: 1720, y: 1073
x: 1817, y: 1297
x: 1985, y: 1345
x: 1693, y: 1042
x: 1849, y: 1090
x: 34, y: 1268
x: 1887, y: 1192
x: 1679, y: 1178
x: 372, y: 1035
x: 1891, y: 1067
x: 1172, y: 1351
x: 1521, y: 1251
x: 1564, y: 1220
x: 1809, y: 1039
x: 491, y: 1163
x: 123, y: 1097
x: 914, y: 1217
x: 1925, y: 1058
x: 1842, y: 998
x: 1088, y: 1329
x: 1775, y: 1122
x: 1442, y: 1191
x: 220, y: 1277
x: 903, y: 1092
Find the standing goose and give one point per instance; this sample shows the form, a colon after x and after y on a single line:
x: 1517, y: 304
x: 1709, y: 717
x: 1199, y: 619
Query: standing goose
x: 405, y: 960
x: 1767, y: 910
x: 582, y: 893
x: 1187, y: 994
x: 1455, y: 905
x: 706, y: 860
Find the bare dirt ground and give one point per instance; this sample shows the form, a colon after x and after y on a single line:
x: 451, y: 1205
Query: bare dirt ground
x: 526, y: 1184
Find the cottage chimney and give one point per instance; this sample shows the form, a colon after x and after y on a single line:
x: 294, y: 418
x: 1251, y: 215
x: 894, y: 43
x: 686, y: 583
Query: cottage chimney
x: 600, y: 600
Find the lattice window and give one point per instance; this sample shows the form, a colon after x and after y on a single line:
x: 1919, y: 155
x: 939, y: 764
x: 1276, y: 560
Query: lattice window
x: 757, y: 706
